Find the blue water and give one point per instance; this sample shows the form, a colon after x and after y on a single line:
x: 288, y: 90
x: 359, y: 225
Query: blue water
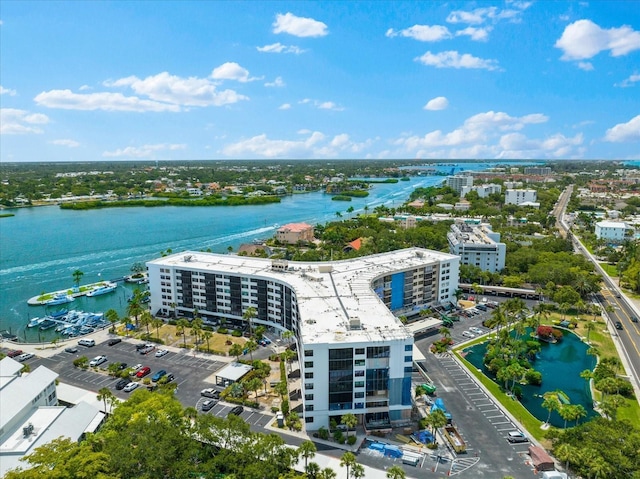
x: 560, y: 364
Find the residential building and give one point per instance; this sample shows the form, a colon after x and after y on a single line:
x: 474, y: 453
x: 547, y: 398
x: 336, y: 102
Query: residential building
x: 537, y: 170
x: 613, y: 231
x: 30, y: 416
x: 355, y: 354
x: 457, y: 182
x: 477, y: 245
x: 521, y: 197
x: 292, y: 233
x: 482, y: 190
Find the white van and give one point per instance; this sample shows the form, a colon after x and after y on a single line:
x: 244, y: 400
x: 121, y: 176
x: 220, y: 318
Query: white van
x: 87, y: 342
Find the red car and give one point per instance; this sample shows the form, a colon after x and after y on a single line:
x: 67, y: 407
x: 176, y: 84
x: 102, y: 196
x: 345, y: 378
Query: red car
x: 143, y: 372
x: 14, y: 353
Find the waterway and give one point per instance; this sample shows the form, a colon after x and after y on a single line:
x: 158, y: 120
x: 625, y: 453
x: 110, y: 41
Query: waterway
x: 41, y: 247
x: 560, y: 364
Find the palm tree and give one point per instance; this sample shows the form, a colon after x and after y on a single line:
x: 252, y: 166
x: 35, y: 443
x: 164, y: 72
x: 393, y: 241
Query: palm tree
x: 196, y: 328
x: 357, y: 471
x: 251, y: 346
x: 135, y: 305
x: 181, y: 329
x: 307, y: 450
x: 248, y: 315
x: 312, y: 470
x: 396, y: 472
x: 207, y: 335
x: 327, y: 473
x: 347, y: 460
x: 550, y: 403
x: 349, y: 420
x: 236, y: 350
x: 288, y: 335
x: 590, y: 327
x: 157, y: 324
x: 104, y: 395
x: 112, y: 317
x: 77, y: 276
x: 580, y: 411
x: 145, y: 319
x: 437, y: 419
x: 565, y: 452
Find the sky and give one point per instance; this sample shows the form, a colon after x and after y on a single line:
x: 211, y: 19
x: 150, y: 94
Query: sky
x: 190, y: 80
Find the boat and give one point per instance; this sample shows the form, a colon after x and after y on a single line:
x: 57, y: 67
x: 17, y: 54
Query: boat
x: 58, y: 314
x: 35, y: 322
x: 47, y: 324
x: 60, y: 298
x: 104, y: 289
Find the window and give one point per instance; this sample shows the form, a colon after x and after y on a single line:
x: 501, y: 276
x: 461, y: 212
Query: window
x: 309, y: 407
x: 408, y: 359
x: 308, y: 353
x: 308, y: 397
x: 359, y: 350
x: 308, y: 419
x: 308, y: 386
x: 359, y: 362
x: 408, y: 369
x: 359, y: 384
x: 360, y: 373
x: 308, y: 375
x: 359, y: 395
x: 308, y: 364
x: 408, y: 347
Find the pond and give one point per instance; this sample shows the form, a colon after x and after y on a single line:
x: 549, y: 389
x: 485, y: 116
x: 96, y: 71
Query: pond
x: 560, y: 364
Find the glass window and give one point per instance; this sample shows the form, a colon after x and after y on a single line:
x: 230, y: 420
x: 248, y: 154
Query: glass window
x: 308, y: 375
x: 360, y: 373
x: 359, y: 384
x: 408, y: 369
x: 359, y: 350
x: 308, y: 386
x: 308, y: 397
x: 359, y: 395
x: 308, y: 353
x: 308, y: 364
x: 359, y: 362
x: 408, y: 359
x: 408, y: 347
x: 308, y: 419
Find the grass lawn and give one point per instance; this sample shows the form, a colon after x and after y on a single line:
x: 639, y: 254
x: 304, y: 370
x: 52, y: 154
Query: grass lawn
x: 610, y: 269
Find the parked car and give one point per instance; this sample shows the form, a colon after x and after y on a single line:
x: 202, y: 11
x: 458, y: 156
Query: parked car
x: 25, y: 356
x: 236, y: 411
x: 144, y: 371
x: 475, y: 330
x: 169, y: 377
x: 122, y: 383
x: 468, y: 334
x: 156, y: 377
x: 89, y: 343
x: 516, y: 436
x: 634, y: 319
x: 147, y: 349
x: 141, y: 346
x: 14, y: 353
x: 208, y: 404
x: 71, y: 349
x: 161, y: 352
x: 135, y: 369
x: 122, y: 366
x: 114, y: 341
x: 210, y: 393
x: 130, y: 387
x: 619, y: 325
x: 97, y: 361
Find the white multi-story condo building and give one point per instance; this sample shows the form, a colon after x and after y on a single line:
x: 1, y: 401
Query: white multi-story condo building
x: 482, y: 190
x: 477, y: 245
x: 457, y: 182
x: 614, y: 231
x: 520, y: 197
x: 355, y: 354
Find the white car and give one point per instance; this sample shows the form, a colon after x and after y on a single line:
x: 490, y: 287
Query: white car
x: 134, y: 369
x: 468, y: 334
x: 476, y: 330
x: 23, y: 357
x: 97, y: 361
x: 161, y: 352
x: 130, y: 387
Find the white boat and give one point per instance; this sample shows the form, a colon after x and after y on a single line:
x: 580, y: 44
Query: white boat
x: 104, y: 289
x: 60, y: 298
x: 35, y: 322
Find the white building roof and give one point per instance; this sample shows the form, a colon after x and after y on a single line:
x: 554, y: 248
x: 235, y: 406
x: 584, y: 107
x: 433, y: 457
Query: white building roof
x: 612, y: 224
x: 234, y: 371
x: 333, y: 297
x: 9, y: 369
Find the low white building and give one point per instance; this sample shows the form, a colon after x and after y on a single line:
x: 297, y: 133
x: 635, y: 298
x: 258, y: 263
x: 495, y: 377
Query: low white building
x: 477, y: 245
x: 613, y: 231
x: 30, y: 416
x: 482, y: 190
x: 355, y: 354
x: 521, y: 197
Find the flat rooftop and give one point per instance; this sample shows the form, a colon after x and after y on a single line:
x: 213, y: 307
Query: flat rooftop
x: 333, y: 297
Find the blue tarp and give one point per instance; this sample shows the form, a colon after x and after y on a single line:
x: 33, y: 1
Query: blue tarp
x: 425, y: 437
x: 386, y: 449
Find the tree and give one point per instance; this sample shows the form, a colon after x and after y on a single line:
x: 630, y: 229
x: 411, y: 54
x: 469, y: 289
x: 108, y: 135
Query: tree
x: 288, y: 355
x: 437, y: 419
x: 327, y: 473
x: 77, y: 276
x: 134, y: 307
x: 196, y: 328
x: 251, y: 346
x: 590, y: 327
x: 249, y: 315
x: 181, y: 329
x: 236, y: 350
x: 288, y: 335
x: 157, y: 324
x: 207, y: 335
x: 146, y: 319
x: 565, y: 452
x: 254, y: 384
x: 396, y: 472
x: 551, y: 403
x: 357, y: 471
x: 112, y: 316
x: 350, y: 420
x: 347, y: 460
x: 105, y: 395
x: 313, y: 470
x: 307, y: 450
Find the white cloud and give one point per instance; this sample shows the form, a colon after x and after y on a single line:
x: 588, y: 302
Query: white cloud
x: 145, y: 151
x: 584, y: 39
x: 178, y: 91
x: 280, y: 48
x: 586, y: 66
x: 321, y: 105
x: 85, y: 88
x: 275, y: 83
x: 476, y: 34
x: 314, y: 145
x: 627, y: 82
x: 437, y: 103
x: 67, y: 100
x: 474, y: 17
x: 66, y: 142
x: 623, y: 132
x: 7, y: 91
x: 299, y: 26
x: 20, y: 122
x: 422, y: 33
x: 285, y: 106
x: 232, y: 71
x: 453, y: 59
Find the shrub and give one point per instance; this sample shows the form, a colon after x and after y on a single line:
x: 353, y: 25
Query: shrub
x: 533, y: 377
x: 236, y: 334
x: 351, y: 440
x: 333, y: 425
x: 81, y: 362
x: 207, y: 328
x: 222, y: 330
x: 285, y: 407
x: 323, y: 433
x: 338, y: 436
x: 274, y: 409
x: 173, y: 322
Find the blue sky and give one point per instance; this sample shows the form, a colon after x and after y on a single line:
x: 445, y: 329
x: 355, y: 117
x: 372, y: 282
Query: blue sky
x: 89, y: 80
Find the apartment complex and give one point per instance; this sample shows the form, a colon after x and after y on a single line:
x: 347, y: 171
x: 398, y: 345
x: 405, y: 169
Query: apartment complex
x: 457, y: 182
x: 355, y: 354
x: 477, y: 245
x: 537, y: 170
x: 613, y: 231
x: 482, y: 190
x: 521, y: 198
x: 31, y: 417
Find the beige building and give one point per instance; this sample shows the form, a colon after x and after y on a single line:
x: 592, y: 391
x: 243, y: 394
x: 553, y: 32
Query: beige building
x: 294, y: 232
